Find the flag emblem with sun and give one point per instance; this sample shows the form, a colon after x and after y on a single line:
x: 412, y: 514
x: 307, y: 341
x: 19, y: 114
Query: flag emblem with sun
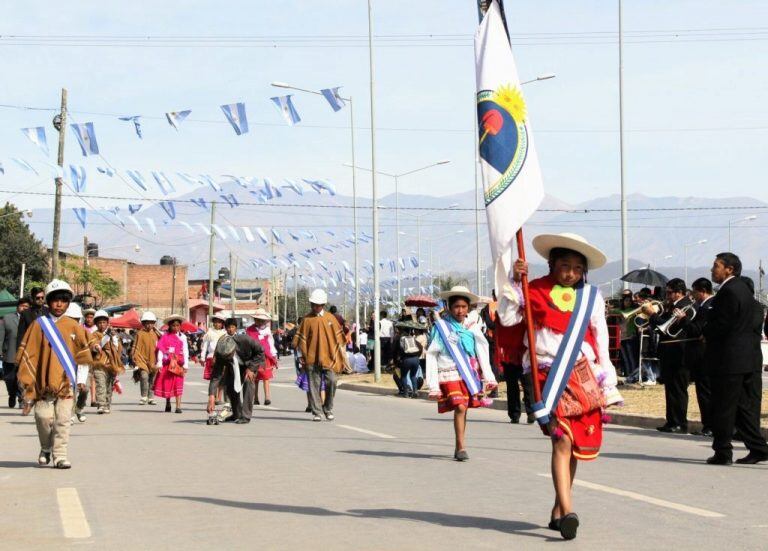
x: 503, y: 135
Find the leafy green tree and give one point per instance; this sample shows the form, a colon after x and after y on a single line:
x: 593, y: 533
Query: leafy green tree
x: 89, y: 281
x: 19, y: 245
x: 446, y: 282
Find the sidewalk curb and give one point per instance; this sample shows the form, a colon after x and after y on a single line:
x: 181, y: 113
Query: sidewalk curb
x: 621, y: 419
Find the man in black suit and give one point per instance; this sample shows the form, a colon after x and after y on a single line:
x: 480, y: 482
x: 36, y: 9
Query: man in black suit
x: 732, y: 346
x: 8, y: 331
x: 695, y: 360
x: 674, y: 370
x: 36, y: 309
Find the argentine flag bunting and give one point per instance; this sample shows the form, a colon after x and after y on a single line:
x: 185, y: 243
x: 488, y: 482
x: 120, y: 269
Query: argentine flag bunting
x: 336, y: 102
x: 86, y: 137
x: 37, y: 136
x: 136, y: 124
x: 165, y: 185
x: 78, y: 177
x: 137, y: 178
x: 175, y: 118
x: 285, y: 106
x: 512, y: 181
x: 169, y: 208
x: 80, y: 214
x: 235, y: 113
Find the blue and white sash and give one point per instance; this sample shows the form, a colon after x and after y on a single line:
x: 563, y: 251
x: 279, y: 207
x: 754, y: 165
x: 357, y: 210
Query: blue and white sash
x: 459, y: 356
x: 567, y: 354
x: 54, y: 338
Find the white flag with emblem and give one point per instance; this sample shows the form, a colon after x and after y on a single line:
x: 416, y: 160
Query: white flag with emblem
x: 512, y: 182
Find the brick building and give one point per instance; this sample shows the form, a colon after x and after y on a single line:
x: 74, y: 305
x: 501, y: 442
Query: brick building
x: 251, y: 294
x: 161, y: 288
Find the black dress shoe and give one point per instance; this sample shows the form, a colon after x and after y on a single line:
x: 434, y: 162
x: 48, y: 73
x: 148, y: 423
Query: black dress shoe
x: 232, y: 419
x: 672, y: 429
x: 515, y: 421
x: 752, y: 458
x: 719, y: 460
x: 554, y: 524
x: 11, y: 402
x: 242, y: 421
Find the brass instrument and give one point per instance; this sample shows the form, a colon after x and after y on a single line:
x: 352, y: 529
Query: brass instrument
x: 666, y: 327
x: 641, y: 319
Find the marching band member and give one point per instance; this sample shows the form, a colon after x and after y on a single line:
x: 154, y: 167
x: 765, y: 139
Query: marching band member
x: 261, y: 332
x: 143, y: 356
x: 458, y: 367
x: 107, y: 363
x: 674, y: 370
x: 575, y: 369
x: 49, y: 353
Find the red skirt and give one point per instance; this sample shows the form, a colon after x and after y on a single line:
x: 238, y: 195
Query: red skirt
x: 455, y: 394
x: 264, y: 373
x: 208, y: 369
x: 579, y: 413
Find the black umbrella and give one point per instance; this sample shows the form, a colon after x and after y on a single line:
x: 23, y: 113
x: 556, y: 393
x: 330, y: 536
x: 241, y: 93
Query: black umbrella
x: 646, y: 276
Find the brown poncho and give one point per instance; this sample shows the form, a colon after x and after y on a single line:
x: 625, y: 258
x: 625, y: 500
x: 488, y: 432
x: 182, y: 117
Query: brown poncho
x: 109, y: 359
x: 40, y: 372
x: 143, y: 353
x: 321, y: 342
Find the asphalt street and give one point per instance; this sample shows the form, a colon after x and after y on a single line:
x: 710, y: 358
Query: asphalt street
x: 381, y: 476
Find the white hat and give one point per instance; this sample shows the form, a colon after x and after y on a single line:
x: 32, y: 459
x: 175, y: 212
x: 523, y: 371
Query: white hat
x: 89, y: 311
x: 74, y: 311
x: 148, y: 316
x: 459, y: 291
x: 261, y: 314
x: 546, y: 242
x: 174, y: 317
x: 100, y: 314
x: 58, y: 285
x: 318, y: 296
x: 219, y: 316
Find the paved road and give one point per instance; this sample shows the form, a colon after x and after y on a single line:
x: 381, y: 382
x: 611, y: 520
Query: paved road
x: 379, y: 477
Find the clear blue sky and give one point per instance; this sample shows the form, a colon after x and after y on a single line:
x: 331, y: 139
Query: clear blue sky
x: 695, y: 86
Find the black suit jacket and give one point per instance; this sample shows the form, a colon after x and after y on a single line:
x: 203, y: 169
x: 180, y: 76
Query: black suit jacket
x: 673, y: 354
x: 730, y: 332
x: 757, y: 328
x: 694, y: 329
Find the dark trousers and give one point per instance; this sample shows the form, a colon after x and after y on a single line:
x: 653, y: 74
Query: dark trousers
x: 736, y: 403
x: 703, y: 394
x: 675, y: 377
x: 242, y: 406
x: 516, y: 380
x: 11, y: 383
x: 386, y: 350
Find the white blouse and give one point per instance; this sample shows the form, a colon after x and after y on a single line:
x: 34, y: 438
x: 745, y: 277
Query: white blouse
x: 441, y: 367
x: 511, y: 311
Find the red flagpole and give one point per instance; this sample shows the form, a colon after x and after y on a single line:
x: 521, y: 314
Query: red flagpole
x: 529, y: 322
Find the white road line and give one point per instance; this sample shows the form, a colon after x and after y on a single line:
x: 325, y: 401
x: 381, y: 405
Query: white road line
x: 267, y: 407
x: 365, y: 431
x: 73, y: 519
x: 647, y: 499
x: 195, y: 383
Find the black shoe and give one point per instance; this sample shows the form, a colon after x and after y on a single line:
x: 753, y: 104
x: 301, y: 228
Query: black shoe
x: 554, y: 524
x: 569, y: 524
x: 256, y: 402
x: 178, y: 410
x: 242, y: 421
x: 231, y: 419
x: 267, y: 402
x: 752, y: 458
x: 308, y: 410
x: 706, y: 432
x: 672, y: 429
x: 530, y: 419
x: 719, y: 460
x: 167, y: 407
x: 515, y: 420
x: 11, y: 402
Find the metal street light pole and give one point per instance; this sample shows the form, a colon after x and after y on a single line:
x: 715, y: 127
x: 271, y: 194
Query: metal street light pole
x: 354, y: 191
x: 745, y: 219
x: 685, y: 257
x: 624, y: 237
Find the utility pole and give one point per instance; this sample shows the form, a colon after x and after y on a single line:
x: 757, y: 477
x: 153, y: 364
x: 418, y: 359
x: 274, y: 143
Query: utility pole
x: 354, y: 224
x: 285, y: 297
x: 375, y: 206
x: 295, y: 295
x: 85, y: 265
x: 477, y: 205
x: 272, y: 293
x: 232, y: 285
x: 62, y: 127
x: 173, y: 287
x: 24, y: 271
x: 624, y: 237
x: 210, y: 262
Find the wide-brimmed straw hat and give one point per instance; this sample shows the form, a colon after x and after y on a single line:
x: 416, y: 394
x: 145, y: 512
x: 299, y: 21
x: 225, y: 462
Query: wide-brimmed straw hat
x: 174, y: 317
x: 459, y: 291
x: 546, y: 242
x: 261, y: 314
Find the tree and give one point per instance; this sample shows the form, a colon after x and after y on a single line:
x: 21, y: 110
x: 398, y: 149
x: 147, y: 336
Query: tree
x: 302, y: 295
x: 445, y: 283
x: 19, y: 245
x: 90, y: 281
